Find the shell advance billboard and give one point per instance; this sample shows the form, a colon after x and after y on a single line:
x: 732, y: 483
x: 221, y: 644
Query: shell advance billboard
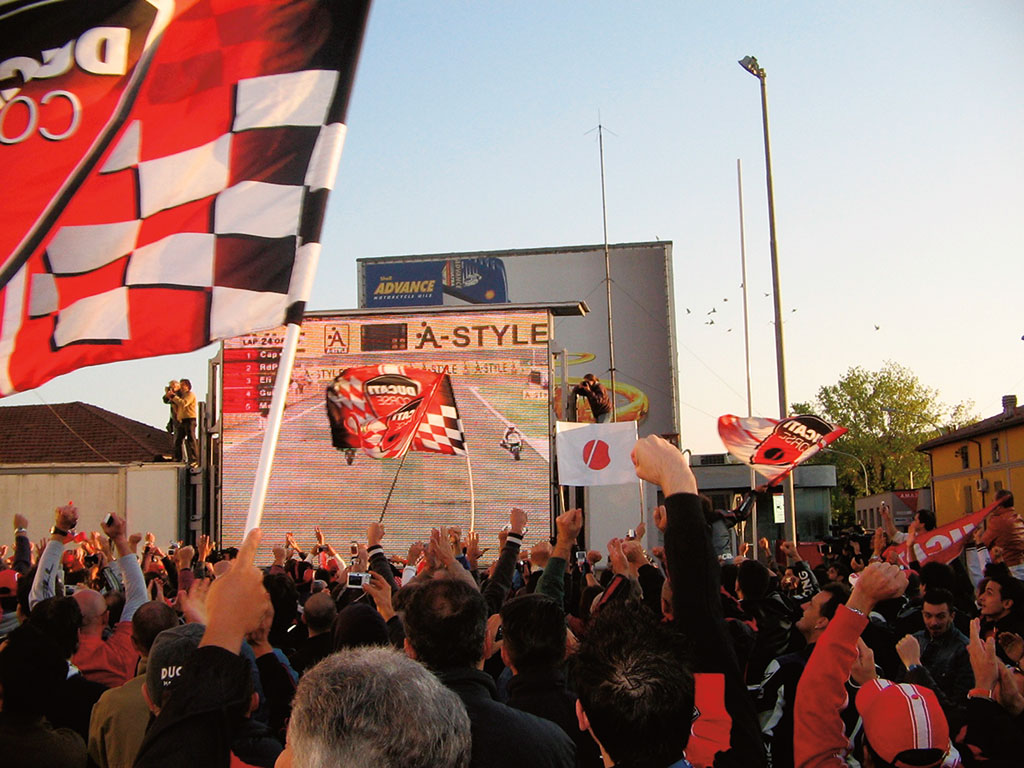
x: 642, y: 306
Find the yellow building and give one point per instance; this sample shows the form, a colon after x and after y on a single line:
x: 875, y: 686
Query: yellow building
x: 971, y: 463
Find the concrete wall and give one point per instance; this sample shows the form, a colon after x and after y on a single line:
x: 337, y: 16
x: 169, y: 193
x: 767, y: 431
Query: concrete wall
x: 147, y: 494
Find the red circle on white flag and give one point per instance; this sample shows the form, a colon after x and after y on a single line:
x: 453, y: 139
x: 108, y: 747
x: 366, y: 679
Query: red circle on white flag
x: 595, y: 454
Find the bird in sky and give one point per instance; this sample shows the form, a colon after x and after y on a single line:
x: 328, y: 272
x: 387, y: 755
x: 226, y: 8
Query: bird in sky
x: 713, y: 310
x: 877, y: 327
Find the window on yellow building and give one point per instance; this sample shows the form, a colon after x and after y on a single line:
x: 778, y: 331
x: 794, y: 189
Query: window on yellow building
x: 968, y: 500
x: 995, y: 450
x: 965, y: 457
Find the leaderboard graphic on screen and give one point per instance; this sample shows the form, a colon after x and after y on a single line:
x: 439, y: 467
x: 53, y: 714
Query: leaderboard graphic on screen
x: 497, y: 366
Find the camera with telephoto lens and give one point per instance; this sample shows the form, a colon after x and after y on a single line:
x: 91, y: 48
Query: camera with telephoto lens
x: 357, y: 580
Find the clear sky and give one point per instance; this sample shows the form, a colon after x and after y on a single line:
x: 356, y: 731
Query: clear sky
x: 897, y: 159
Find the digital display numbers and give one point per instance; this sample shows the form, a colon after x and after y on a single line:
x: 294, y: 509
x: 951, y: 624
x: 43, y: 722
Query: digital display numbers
x: 384, y: 337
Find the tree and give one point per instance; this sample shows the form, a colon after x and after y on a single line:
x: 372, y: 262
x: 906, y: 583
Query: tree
x: 889, y: 413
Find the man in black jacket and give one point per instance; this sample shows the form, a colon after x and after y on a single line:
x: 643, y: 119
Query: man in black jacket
x: 726, y: 733
x: 445, y: 629
x: 534, y: 649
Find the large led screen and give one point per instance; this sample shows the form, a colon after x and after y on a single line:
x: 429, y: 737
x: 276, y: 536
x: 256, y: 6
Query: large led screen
x: 498, y: 365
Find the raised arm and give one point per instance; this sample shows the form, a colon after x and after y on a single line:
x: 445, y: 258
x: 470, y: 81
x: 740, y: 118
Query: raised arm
x: 44, y: 585
x: 128, y: 563
x: 694, y: 575
x: 378, y: 560
x: 497, y: 587
x: 22, y: 545
x: 819, y: 738
x: 552, y: 581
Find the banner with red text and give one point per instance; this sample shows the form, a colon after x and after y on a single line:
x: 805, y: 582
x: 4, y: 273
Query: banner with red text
x: 943, y: 544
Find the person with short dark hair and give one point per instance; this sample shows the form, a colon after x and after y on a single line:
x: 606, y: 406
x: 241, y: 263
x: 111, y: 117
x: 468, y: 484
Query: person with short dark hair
x: 172, y: 389
x: 534, y: 650
x: 937, y: 657
x: 903, y: 723
x: 636, y: 694
x: 445, y: 629
x: 774, y: 613
x: 186, y: 411
x: 1001, y: 606
x: 71, y: 703
x: 318, y: 615
x: 1005, y: 529
x: 774, y: 697
x: 597, y: 396
x: 726, y: 731
x: 32, y: 672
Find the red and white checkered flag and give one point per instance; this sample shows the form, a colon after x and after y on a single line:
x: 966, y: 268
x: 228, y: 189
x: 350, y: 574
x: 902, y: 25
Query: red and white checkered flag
x: 171, y: 162
x: 386, y: 410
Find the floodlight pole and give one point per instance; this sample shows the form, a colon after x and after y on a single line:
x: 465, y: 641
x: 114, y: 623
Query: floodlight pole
x: 746, y: 337
x: 607, y: 272
x: 749, y: 63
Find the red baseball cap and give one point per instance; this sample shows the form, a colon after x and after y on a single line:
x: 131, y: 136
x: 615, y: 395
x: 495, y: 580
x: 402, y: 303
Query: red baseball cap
x: 8, y: 582
x: 902, y: 717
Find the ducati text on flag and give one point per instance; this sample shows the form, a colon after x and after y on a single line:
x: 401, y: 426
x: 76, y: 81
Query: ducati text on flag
x: 166, y: 165
x: 776, y: 447
x: 386, y: 410
x: 595, y: 454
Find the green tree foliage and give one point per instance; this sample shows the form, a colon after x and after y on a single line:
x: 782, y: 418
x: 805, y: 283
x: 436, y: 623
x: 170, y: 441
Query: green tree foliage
x: 889, y: 413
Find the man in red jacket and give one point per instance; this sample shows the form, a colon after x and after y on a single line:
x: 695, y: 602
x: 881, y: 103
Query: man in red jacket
x: 903, y: 724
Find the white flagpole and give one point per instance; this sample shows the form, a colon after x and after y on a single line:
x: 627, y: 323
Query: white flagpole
x: 472, y: 492
x: 274, y: 419
x: 640, y: 485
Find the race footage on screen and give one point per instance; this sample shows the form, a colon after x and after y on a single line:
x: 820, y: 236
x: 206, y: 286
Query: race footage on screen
x: 485, y: 372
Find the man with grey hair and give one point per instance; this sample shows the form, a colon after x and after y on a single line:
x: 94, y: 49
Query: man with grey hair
x: 374, y: 708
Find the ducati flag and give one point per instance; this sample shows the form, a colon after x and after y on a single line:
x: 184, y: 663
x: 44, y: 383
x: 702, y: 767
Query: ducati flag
x: 595, y: 454
x: 775, y: 448
x: 386, y: 410
x: 166, y: 165
x: 943, y: 544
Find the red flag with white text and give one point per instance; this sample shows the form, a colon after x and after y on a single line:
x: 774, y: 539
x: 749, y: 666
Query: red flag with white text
x: 775, y: 447
x: 942, y: 544
x: 386, y: 410
x: 166, y: 166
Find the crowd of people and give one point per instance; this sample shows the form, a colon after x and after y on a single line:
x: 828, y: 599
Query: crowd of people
x: 116, y: 653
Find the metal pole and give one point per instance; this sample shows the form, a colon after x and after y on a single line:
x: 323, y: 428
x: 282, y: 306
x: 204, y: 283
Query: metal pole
x: 607, y: 272
x: 751, y: 65
x: 746, y: 336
